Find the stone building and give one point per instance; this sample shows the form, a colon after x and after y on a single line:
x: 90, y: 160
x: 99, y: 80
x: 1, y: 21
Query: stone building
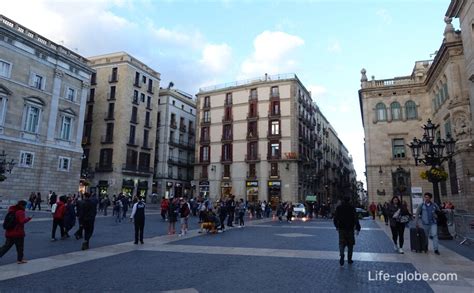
x: 175, y: 143
x: 120, y: 125
x: 262, y: 139
x: 43, y: 93
x: 393, y: 111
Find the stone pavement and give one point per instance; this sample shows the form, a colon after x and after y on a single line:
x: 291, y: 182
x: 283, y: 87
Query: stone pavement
x: 264, y: 256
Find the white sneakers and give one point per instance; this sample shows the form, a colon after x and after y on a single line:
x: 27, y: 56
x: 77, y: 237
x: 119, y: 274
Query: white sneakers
x: 395, y: 247
x: 400, y: 250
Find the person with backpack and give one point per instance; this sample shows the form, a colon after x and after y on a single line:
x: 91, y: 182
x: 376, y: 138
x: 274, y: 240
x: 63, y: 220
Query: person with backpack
x: 184, y: 212
x: 58, y: 218
x: 14, y: 225
x: 138, y: 216
x: 428, y: 211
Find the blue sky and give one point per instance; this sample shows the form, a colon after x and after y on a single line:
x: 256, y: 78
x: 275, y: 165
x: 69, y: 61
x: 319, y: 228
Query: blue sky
x: 200, y: 43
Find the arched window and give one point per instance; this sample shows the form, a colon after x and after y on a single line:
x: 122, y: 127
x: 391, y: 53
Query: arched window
x: 395, y: 109
x: 381, y: 112
x: 410, y: 108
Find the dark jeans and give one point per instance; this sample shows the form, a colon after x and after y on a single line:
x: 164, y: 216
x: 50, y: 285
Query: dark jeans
x: 19, y: 244
x: 139, y: 226
x: 164, y: 212
x: 88, y: 229
x: 241, y: 219
x: 289, y: 215
x: 79, y: 231
x: 230, y: 219
x: 124, y: 213
x: 56, y: 223
x: 222, y: 219
x: 37, y: 204
x: 397, y: 233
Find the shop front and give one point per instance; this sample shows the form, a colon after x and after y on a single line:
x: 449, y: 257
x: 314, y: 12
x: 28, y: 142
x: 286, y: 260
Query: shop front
x: 251, y: 188
x: 274, y: 192
x: 204, y: 189
x: 102, y: 187
x: 128, y: 186
x: 142, y: 189
x: 178, y: 189
x: 226, y: 189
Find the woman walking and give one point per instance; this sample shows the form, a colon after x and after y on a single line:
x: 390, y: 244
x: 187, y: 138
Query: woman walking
x: 173, y: 211
x: 289, y: 212
x: 399, y: 216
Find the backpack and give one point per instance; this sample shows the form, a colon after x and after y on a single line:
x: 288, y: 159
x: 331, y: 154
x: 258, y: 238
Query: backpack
x: 10, y: 221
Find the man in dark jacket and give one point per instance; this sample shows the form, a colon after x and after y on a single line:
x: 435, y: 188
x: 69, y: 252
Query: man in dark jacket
x: 16, y: 235
x: 138, y: 216
x: 87, y: 218
x: 346, y: 221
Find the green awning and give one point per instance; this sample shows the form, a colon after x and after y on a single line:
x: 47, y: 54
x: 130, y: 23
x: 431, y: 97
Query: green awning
x: 311, y: 198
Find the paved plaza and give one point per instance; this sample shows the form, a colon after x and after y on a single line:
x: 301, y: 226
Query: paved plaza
x: 264, y: 256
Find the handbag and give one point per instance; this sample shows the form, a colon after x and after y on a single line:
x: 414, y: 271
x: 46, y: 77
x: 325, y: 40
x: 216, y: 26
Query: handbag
x: 404, y: 219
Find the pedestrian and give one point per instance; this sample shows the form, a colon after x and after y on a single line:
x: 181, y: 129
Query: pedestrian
x: 289, y: 212
x: 15, y: 235
x: 385, y: 213
x: 397, y: 212
x: 53, y: 198
x: 80, y: 231
x: 118, y: 207
x: 373, y: 209
x: 125, y: 205
x: 222, y: 212
x: 87, y: 218
x: 164, y: 208
x: 428, y: 211
x: 58, y: 218
x: 70, y: 216
x: 173, y: 212
x: 346, y: 221
x: 38, y: 201
x: 31, y: 201
x: 184, y: 212
x: 241, y: 208
x: 138, y: 216
x: 230, y: 205
x: 280, y: 211
x: 106, y: 204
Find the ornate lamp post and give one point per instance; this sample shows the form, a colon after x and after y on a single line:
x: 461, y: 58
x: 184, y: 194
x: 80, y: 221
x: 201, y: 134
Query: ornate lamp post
x: 433, y: 156
x: 6, y: 166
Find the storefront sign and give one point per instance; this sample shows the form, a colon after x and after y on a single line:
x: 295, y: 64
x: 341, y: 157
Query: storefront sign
x: 203, y: 182
x: 275, y: 184
x: 252, y: 183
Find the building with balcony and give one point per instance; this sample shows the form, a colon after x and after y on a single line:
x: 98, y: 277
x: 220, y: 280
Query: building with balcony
x: 43, y: 93
x: 394, y: 110
x: 262, y: 139
x: 175, y: 143
x: 120, y: 125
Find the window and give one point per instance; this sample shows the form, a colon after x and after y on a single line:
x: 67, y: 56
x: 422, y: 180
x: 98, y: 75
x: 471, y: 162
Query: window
x: 205, y: 153
x: 131, y: 160
x: 147, y: 119
x: 5, y: 68
x: 228, y: 99
x: 134, y: 118
x: 227, y: 152
x: 227, y: 171
x: 398, y: 148
x: 135, y: 97
x: 252, y: 129
x: 144, y: 79
x: 174, y: 102
x: 64, y: 164
x: 106, y: 157
x: 206, y: 117
x: 94, y: 78
x: 112, y: 92
x: 274, y: 169
x: 447, y: 127
x: 207, y: 102
x: 275, y: 92
x: 70, y: 94
x: 227, y: 131
x: 148, y: 102
x: 91, y: 95
x: 38, y: 81
x: 395, y: 109
x: 32, y: 119
x: 131, y: 137
x: 252, y: 170
x: 205, y: 133
x: 275, y: 150
x: 253, y: 94
x: 381, y: 112
x: 114, y: 76
x: 3, y: 109
x: 275, y: 127
x: 109, y: 133
x: 145, y: 138
x: 144, y: 162
x: 252, y: 150
x: 27, y: 159
x: 275, y: 110
x: 66, y: 128
x: 150, y: 85
x: 410, y: 108
x: 142, y: 98
x: 137, y: 79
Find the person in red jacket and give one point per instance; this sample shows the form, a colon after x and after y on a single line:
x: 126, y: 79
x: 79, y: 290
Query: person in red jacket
x: 58, y: 218
x: 17, y: 234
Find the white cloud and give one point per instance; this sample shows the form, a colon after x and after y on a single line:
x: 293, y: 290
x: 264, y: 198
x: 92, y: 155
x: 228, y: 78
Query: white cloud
x: 384, y: 15
x: 217, y: 58
x: 317, y: 91
x: 274, y: 52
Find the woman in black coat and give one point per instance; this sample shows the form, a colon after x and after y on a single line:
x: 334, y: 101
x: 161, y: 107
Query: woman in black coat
x: 398, y: 215
x: 69, y: 216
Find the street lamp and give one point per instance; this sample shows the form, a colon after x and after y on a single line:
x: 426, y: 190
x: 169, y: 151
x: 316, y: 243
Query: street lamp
x: 433, y: 156
x: 6, y: 166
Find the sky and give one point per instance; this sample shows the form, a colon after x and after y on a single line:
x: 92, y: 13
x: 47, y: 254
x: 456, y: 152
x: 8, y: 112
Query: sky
x: 201, y: 43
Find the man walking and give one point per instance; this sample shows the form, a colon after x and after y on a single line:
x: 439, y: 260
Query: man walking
x: 15, y: 234
x: 138, y: 216
x: 87, y: 218
x: 428, y: 211
x: 346, y: 221
x: 230, y: 211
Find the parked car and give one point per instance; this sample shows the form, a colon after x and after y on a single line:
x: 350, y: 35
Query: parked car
x: 299, y: 210
x: 361, y: 213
